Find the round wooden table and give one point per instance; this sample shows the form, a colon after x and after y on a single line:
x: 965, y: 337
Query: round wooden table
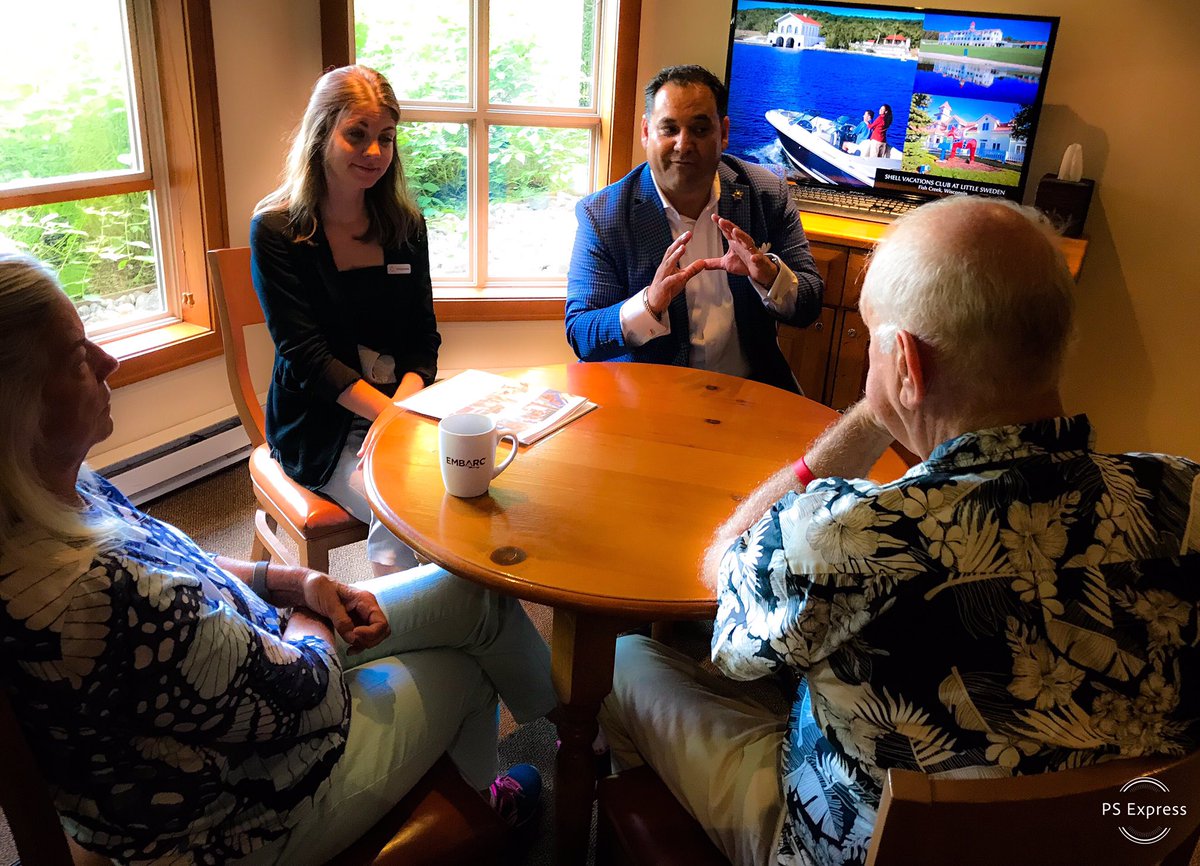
x: 606, y: 520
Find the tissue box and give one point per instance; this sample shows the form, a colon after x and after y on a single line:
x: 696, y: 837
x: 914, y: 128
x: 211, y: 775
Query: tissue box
x: 1065, y: 201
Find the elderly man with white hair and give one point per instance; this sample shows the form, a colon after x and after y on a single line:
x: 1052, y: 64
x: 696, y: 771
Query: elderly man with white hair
x: 1016, y: 603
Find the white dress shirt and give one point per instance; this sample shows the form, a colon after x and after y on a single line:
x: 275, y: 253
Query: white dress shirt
x: 712, y: 330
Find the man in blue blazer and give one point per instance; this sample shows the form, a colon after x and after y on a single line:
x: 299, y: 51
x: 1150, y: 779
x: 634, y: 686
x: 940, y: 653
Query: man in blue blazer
x: 692, y: 257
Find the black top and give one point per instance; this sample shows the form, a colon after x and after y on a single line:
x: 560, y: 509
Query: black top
x: 317, y: 326
x: 365, y: 291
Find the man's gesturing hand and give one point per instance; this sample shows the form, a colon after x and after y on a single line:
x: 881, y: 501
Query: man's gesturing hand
x: 670, y: 279
x: 743, y: 258
x: 354, y: 612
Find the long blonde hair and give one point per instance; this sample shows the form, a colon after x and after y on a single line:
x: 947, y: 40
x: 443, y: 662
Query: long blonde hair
x: 29, y: 294
x: 393, y: 219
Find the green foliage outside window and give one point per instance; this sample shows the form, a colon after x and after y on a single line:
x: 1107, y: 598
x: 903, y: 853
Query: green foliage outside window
x: 97, y: 246
x: 526, y: 162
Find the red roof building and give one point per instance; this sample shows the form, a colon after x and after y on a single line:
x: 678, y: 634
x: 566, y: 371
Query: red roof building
x: 803, y: 19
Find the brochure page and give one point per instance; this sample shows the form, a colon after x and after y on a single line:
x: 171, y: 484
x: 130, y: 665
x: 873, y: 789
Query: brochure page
x: 528, y: 411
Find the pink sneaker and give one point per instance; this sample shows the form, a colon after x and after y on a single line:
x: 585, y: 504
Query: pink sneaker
x: 517, y: 794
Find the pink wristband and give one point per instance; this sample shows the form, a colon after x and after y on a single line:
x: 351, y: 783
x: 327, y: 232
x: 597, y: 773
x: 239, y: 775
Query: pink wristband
x: 803, y: 474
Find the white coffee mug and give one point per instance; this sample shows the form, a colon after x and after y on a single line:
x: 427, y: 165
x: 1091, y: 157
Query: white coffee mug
x: 467, y: 448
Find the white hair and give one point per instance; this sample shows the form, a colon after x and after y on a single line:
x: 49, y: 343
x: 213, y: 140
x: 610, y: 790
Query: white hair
x: 29, y: 295
x: 981, y: 281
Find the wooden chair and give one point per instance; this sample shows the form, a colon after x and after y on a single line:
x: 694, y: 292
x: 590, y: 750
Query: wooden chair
x: 1053, y: 818
x: 640, y: 823
x: 440, y: 822
x: 1049, y: 818
x: 314, y: 523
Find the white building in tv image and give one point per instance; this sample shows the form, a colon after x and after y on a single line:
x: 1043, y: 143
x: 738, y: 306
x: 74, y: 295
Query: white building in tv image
x: 989, y: 38
x: 794, y: 30
x: 889, y: 46
x: 986, y: 137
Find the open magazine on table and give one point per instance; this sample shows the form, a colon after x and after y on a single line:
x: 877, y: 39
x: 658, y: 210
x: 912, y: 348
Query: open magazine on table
x: 530, y: 412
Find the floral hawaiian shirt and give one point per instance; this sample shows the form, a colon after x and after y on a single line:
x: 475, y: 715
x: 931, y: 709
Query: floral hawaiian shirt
x: 171, y: 719
x: 1016, y: 604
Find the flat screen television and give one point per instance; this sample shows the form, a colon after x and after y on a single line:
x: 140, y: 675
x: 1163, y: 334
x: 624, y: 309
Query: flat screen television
x: 964, y: 90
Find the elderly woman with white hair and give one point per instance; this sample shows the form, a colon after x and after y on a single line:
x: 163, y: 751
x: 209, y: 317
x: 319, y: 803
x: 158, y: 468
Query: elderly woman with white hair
x: 175, y: 713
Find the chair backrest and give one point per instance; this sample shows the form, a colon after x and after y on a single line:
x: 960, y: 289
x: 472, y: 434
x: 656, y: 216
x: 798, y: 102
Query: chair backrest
x: 1049, y: 818
x: 25, y: 798
x: 238, y: 308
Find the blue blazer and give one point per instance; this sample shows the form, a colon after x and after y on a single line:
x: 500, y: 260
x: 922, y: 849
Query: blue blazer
x: 622, y: 235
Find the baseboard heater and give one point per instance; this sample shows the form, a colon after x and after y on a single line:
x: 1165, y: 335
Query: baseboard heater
x: 174, y: 464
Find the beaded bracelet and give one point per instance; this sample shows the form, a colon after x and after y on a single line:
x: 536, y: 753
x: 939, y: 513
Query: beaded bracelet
x: 646, y: 301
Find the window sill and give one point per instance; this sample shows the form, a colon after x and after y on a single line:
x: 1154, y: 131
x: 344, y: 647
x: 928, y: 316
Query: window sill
x: 161, y: 350
x: 495, y: 309
x: 170, y: 347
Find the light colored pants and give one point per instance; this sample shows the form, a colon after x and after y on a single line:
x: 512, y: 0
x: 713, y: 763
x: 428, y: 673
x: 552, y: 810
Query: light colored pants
x: 430, y: 688
x: 718, y: 751
x: 345, y: 487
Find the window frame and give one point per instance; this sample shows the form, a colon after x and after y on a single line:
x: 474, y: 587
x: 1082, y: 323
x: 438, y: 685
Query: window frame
x: 177, y: 133
x: 511, y: 299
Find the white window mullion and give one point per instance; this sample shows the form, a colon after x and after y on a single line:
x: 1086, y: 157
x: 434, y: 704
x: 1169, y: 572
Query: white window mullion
x: 479, y: 150
x: 147, y: 110
x: 27, y: 193
x: 137, y: 34
x: 560, y: 120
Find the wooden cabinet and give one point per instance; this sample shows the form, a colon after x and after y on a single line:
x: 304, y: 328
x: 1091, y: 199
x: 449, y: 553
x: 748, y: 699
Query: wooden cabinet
x: 829, y: 357
x: 848, y: 378
x: 807, y: 351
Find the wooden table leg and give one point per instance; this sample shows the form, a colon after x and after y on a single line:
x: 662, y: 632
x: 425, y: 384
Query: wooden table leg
x: 582, y: 650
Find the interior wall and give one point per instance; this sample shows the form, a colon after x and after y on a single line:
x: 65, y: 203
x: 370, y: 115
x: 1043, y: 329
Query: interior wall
x: 1125, y: 95
x: 1124, y: 100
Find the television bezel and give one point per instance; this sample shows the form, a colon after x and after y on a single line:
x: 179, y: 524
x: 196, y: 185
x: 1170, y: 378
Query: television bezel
x: 1018, y: 192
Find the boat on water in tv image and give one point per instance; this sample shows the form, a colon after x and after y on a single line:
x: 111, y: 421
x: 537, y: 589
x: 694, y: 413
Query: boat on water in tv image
x: 830, y: 151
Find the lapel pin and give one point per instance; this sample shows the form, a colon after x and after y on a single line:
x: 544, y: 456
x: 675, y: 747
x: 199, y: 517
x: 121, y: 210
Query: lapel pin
x: 737, y: 195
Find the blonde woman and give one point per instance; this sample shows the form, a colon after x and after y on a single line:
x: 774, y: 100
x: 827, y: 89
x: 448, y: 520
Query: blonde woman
x: 177, y: 716
x: 340, y: 259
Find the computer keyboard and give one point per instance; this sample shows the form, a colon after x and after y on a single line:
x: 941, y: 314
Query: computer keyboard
x: 858, y: 205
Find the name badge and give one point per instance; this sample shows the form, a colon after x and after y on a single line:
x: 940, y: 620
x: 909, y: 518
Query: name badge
x: 399, y: 269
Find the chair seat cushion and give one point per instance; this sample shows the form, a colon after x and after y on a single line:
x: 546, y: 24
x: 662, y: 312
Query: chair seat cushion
x: 645, y: 824
x: 440, y: 822
x: 307, y: 511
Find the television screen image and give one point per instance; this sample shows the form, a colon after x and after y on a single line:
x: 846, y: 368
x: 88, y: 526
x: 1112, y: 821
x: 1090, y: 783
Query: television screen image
x: 896, y: 101
x: 965, y: 139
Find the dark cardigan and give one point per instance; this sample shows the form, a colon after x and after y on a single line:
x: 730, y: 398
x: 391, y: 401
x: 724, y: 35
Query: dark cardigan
x: 316, y: 346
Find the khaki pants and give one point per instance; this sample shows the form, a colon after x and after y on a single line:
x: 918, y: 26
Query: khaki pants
x: 718, y: 751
